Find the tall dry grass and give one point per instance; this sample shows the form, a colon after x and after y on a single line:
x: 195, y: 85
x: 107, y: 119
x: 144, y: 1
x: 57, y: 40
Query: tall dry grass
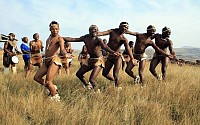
x: 175, y: 101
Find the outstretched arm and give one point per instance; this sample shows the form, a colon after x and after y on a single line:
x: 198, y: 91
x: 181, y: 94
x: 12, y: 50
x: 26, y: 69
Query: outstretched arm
x: 131, y: 33
x: 104, y: 33
x: 70, y: 39
x: 62, y: 48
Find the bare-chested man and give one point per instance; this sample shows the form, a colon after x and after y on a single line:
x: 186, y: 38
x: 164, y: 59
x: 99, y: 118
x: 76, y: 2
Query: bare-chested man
x: 163, y: 42
x: 96, y: 60
x: 52, y: 61
x: 116, y: 39
x: 10, y: 50
x: 143, y: 40
x: 35, y: 48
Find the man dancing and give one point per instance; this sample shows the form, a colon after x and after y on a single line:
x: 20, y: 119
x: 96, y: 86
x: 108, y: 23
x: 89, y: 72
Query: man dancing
x: 116, y: 40
x: 96, y: 61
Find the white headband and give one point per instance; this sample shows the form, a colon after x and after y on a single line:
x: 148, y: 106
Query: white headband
x: 167, y: 30
x: 54, y: 25
x: 152, y: 28
x: 123, y: 25
x: 93, y: 26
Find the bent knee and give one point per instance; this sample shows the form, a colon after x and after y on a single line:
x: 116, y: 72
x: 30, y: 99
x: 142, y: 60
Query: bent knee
x: 79, y: 75
x: 151, y: 70
x: 127, y: 70
x: 104, y: 74
x: 35, y: 78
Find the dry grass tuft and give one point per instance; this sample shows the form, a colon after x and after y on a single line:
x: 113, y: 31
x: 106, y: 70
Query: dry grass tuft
x: 175, y: 101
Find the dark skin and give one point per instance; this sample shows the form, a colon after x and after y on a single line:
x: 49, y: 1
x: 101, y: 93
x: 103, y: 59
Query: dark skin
x: 93, y: 45
x: 8, y: 48
x: 35, y: 47
x: 25, y: 40
x: 68, y: 49
x: 126, y: 56
x: 164, y: 43
x: 84, y: 54
x: 143, y: 40
x: 53, y: 44
x: 116, y: 40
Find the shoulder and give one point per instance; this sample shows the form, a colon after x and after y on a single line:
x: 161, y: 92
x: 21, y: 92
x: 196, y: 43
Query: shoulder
x: 99, y: 39
x: 141, y: 35
x: 124, y: 38
x: 169, y: 41
x: 157, y: 35
x: 22, y: 44
x: 60, y: 38
x: 6, y: 43
x: 115, y: 30
x: 110, y: 30
x: 31, y: 42
x: 85, y: 36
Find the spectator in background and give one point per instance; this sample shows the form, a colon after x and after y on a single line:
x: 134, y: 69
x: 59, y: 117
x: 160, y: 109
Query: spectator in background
x: 35, y: 47
x: 10, y: 51
x: 26, y: 52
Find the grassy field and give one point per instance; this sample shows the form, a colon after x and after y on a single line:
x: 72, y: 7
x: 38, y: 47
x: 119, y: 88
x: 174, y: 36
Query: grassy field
x: 175, y: 101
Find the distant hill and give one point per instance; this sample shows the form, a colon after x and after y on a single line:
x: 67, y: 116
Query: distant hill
x: 188, y: 47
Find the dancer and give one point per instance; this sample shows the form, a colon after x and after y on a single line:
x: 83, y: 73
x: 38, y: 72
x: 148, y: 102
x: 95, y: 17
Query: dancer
x: 52, y: 61
x: 116, y: 40
x: 163, y: 42
x: 143, y: 40
x: 96, y: 61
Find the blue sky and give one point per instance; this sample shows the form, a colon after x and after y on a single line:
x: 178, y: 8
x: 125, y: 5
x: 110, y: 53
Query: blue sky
x: 26, y: 17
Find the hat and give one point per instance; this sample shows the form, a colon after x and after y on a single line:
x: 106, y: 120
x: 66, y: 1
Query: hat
x: 15, y: 59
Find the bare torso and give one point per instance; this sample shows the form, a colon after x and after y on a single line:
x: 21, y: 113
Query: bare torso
x: 142, y: 42
x: 93, y: 46
x: 116, y: 40
x: 35, y: 46
x: 162, y: 43
x: 52, y: 46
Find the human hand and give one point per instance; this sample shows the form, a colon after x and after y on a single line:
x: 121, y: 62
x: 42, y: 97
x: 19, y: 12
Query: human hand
x: 18, y: 53
x: 116, y: 53
x: 68, y: 55
x: 171, y: 56
x: 134, y: 61
x: 13, y: 54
